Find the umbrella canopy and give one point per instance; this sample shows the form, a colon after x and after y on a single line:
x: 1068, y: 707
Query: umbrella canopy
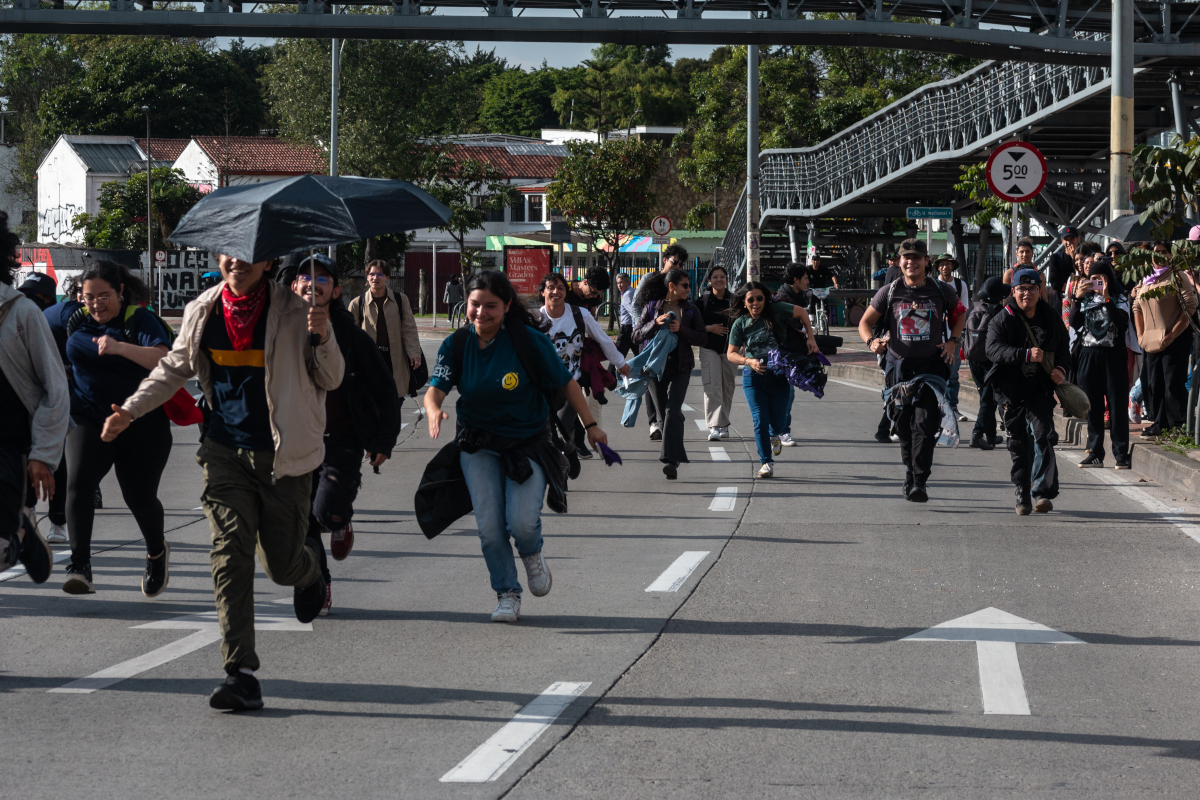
x: 268, y: 220
x: 1129, y: 228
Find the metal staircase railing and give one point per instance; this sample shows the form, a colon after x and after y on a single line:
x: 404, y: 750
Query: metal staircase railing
x: 732, y: 252
x: 940, y: 121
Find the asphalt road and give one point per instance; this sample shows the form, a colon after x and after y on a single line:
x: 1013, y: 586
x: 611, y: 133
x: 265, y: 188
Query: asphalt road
x: 777, y: 668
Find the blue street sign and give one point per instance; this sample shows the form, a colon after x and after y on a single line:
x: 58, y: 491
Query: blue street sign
x: 930, y: 212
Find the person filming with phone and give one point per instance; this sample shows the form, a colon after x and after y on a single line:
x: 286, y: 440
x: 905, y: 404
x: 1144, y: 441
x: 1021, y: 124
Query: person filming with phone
x: 1101, y: 365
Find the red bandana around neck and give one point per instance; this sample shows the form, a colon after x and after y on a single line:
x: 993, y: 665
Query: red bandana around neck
x: 241, y: 315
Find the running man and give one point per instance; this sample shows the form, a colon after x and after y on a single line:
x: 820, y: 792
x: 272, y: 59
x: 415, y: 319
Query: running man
x: 247, y: 341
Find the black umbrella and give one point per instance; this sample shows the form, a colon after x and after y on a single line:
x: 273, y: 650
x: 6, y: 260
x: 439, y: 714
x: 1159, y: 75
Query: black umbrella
x: 1130, y: 228
x: 269, y: 220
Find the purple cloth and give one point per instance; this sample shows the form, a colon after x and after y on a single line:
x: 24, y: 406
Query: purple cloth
x: 610, y: 456
x: 805, y: 372
x: 1155, y: 276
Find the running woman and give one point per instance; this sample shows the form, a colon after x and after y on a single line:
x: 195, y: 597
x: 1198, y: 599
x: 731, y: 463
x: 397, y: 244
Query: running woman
x: 759, y: 326
x: 112, y: 345
x: 504, y: 429
x: 663, y: 298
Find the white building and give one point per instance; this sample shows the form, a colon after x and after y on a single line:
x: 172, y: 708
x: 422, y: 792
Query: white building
x: 217, y: 161
x: 69, y: 180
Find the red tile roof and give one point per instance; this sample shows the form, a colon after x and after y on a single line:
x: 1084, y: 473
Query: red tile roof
x: 512, y: 166
x: 261, y: 155
x: 164, y: 149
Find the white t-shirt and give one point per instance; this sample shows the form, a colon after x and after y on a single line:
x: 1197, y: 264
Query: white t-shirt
x: 568, y: 340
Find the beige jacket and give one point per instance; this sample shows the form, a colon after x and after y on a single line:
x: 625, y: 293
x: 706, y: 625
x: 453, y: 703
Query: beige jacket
x: 1160, y: 314
x: 403, y: 342
x: 297, y: 376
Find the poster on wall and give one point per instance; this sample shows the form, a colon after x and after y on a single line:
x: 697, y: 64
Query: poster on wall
x: 525, y: 266
x: 183, y: 275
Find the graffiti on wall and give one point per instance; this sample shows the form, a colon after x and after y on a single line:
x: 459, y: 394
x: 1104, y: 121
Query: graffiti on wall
x: 182, y: 275
x: 54, y: 223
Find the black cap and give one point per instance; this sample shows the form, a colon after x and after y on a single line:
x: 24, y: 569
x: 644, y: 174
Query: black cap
x: 994, y: 290
x: 39, y: 283
x: 1068, y: 230
x: 323, y: 261
x: 914, y: 247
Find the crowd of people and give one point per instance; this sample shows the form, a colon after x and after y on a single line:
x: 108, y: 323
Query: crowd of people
x: 299, y: 388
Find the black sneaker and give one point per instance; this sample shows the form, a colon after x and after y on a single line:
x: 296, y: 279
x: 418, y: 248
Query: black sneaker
x: 981, y: 442
x: 1123, y: 462
x: 79, y: 578
x: 918, y: 494
x: 309, y: 601
x: 671, y: 471
x: 655, y: 435
x: 583, y: 452
x: 1092, y: 460
x: 883, y: 437
x: 35, y: 551
x: 157, y: 573
x: 1151, y: 431
x: 1024, y: 503
x: 908, y: 484
x: 239, y: 692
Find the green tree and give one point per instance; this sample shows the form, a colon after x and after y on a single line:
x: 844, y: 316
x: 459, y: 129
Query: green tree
x: 469, y: 188
x: 603, y: 190
x: 188, y: 88
x: 622, y: 85
x: 121, y: 222
x: 519, y: 102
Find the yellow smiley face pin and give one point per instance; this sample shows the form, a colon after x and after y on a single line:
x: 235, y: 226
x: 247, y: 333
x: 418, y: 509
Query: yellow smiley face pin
x: 510, y: 381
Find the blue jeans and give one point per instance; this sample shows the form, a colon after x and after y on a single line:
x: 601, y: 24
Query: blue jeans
x: 787, y: 419
x: 768, y: 399
x: 504, y: 508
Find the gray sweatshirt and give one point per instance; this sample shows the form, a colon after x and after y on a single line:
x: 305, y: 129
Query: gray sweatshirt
x: 30, y: 361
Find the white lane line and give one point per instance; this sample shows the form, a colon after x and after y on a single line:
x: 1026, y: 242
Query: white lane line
x: 19, y: 569
x: 1000, y: 679
x: 701, y: 424
x: 686, y: 407
x: 403, y: 425
x: 135, y: 666
x: 724, y: 500
x: 1141, y: 497
x: 675, y: 575
x: 493, y: 757
x: 718, y: 453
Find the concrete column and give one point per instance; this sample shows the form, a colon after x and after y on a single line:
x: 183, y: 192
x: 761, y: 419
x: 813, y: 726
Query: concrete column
x: 1121, y: 136
x: 792, y: 243
x: 1180, y: 111
x: 752, y: 253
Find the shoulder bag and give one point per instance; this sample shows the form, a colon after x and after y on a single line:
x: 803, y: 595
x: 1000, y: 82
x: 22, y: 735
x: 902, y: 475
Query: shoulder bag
x: 1073, y: 399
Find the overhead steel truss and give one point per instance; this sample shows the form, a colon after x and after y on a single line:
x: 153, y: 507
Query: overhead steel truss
x: 1026, y: 30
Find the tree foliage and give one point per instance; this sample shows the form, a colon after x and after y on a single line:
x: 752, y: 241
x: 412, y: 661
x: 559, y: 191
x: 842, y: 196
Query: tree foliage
x: 603, y: 190
x: 517, y: 102
x: 121, y: 221
x: 469, y: 188
x: 621, y: 86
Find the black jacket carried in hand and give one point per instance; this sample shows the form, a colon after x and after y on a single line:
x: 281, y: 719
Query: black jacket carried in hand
x: 368, y: 387
x: 1014, y: 376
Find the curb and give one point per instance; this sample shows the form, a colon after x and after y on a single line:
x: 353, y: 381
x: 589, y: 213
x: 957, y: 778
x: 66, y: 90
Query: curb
x: 1172, y: 470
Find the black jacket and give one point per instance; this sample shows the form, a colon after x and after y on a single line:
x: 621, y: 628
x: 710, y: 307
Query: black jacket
x: 1015, y: 377
x: 368, y: 387
x: 1059, y: 269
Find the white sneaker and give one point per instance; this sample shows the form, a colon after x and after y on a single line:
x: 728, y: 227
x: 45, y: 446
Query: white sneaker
x: 537, y: 575
x: 766, y: 470
x: 58, y: 534
x: 776, y: 445
x: 508, y: 608
x: 894, y: 437
x: 724, y: 432
x: 786, y: 440
x: 714, y: 434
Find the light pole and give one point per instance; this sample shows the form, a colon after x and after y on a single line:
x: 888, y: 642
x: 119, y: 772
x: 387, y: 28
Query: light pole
x: 334, y: 89
x: 149, y: 218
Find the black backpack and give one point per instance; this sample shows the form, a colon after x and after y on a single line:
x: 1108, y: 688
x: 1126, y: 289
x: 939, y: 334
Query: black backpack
x: 975, y: 330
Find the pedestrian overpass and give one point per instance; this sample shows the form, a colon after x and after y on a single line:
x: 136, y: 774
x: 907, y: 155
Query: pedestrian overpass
x: 910, y: 153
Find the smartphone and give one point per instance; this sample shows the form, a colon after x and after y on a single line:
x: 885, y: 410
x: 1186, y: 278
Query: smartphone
x: 1098, y: 286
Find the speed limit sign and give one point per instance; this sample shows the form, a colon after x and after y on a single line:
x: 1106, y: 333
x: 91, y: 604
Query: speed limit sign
x: 660, y: 225
x: 1016, y: 172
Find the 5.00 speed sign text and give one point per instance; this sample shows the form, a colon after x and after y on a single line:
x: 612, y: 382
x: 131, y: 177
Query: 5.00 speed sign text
x: 1016, y: 172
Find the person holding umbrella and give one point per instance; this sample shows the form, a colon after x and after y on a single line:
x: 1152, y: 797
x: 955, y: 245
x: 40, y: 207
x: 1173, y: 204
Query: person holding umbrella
x: 264, y: 359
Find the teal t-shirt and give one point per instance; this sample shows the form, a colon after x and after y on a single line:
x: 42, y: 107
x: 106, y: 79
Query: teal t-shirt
x: 495, y: 393
x: 754, y: 334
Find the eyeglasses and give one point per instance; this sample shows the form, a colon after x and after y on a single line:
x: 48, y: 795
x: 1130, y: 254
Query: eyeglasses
x: 323, y: 280
x: 684, y: 285
x: 1026, y: 287
x: 376, y: 276
x: 756, y: 299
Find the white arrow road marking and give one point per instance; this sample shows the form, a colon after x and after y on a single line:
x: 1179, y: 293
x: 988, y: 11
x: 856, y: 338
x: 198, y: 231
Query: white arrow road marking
x: 996, y: 634
x: 493, y: 757
x: 679, y: 571
x: 718, y: 453
x: 724, y: 500
x: 701, y: 424
x: 206, y: 630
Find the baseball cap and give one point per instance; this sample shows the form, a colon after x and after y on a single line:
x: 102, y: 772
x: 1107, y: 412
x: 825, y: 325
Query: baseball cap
x: 1067, y: 230
x: 994, y: 290
x: 914, y: 247
x: 1027, y: 277
x: 39, y: 283
x: 322, y: 261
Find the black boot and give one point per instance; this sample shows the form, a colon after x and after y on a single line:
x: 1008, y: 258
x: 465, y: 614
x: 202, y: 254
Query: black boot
x: 1024, y: 502
x: 908, y: 484
x: 981, y: 442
